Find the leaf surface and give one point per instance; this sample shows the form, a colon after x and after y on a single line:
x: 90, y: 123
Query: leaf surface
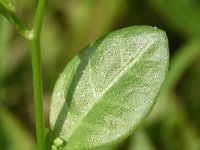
x: 109, y: 88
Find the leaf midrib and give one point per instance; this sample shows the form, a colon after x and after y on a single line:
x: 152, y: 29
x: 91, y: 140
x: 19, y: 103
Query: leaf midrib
x: 77, y: 123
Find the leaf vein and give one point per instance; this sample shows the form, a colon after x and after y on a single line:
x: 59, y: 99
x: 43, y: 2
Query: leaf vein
x: 100, y: 95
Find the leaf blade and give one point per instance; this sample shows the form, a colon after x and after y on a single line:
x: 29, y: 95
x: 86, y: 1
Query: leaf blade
x: 102, y: 75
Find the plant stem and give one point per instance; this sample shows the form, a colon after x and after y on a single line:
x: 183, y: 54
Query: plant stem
x: 37, y: 75
x: 8, y: 11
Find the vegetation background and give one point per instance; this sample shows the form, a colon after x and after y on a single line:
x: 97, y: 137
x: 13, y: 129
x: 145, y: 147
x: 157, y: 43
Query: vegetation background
x: 68, y: 26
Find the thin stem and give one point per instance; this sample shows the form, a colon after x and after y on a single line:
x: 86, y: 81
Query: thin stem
x: 37, y: 75
x: 8, y: 11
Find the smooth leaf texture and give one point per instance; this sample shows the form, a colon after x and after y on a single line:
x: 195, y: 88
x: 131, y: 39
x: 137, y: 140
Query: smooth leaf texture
x: 109, y: 88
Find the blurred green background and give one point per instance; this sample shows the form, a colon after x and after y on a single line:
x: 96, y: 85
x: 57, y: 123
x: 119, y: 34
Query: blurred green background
x: 68, y: 26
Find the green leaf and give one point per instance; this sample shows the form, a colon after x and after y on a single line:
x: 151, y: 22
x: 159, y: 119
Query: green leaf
x: 109, y: 88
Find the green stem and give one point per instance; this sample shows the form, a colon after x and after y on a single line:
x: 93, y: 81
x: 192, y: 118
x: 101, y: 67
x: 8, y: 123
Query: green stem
x: 37, y: 75
x: 8, y: 11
